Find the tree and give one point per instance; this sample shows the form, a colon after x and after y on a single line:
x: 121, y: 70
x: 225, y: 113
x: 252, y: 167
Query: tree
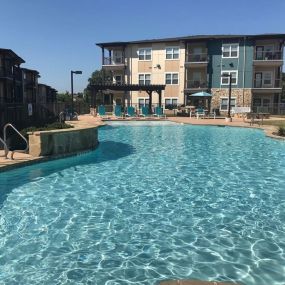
x: 63, y: 97
x: 97, y: 77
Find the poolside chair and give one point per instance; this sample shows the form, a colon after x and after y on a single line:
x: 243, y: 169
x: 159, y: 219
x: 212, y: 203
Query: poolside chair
x: 131, y: 112
x: 200, y: 113
x: 118, y: 111
x: 102, y: 111
x: 158, y: 112
x: 145, y: 112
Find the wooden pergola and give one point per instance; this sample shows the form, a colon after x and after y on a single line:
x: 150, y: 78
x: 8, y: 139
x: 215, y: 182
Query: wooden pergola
x: 95, y: 88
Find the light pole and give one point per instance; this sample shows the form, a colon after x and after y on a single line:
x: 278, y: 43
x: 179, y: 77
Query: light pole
x: 229, y: 118
x: 72, y: 106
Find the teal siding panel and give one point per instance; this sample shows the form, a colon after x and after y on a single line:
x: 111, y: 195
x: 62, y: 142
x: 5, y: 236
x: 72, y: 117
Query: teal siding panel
x: 217, y: 64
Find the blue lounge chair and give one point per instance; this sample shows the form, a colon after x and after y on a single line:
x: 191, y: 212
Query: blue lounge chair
x: 102, y: 111
x: 131, y: 112
x: 145, y: 112
x: 118, y: 111
x: 158, y: 112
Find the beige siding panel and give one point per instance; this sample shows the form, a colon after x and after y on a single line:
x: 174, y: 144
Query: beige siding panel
x: 144, y: 66
x: 171, y: 91
x: 172, y: 65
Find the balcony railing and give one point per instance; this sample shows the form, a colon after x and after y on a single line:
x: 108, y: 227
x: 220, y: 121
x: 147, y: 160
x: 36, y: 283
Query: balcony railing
x: 268, y: 55
x: 258, y: 83
x: 5, y: 73
x: 113, y: 61
x: 197, y: 57
x: 196, y: 84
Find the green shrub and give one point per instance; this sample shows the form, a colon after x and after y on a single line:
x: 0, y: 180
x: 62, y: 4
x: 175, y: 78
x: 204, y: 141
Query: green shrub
x: 48, y: 127
x: 281, y: 131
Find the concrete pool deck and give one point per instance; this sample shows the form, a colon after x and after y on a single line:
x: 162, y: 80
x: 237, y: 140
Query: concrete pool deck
x: 21, y: 159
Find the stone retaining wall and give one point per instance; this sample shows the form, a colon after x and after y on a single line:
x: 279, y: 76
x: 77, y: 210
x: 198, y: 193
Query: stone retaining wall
x: 65, y: 141
x: 243, y: 96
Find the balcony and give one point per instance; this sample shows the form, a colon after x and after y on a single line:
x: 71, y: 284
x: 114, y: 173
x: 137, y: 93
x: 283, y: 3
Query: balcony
x: 267, y: 85
x: 196, y: 85
x: 6, y: 73
x: 196, y: 60
x: 268, y: 58
x: 113, y: 63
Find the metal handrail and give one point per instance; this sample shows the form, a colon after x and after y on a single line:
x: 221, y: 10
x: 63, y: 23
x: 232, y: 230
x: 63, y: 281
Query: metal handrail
x: 6, y: 150
x: 5, y: 139
x: 61, y: 115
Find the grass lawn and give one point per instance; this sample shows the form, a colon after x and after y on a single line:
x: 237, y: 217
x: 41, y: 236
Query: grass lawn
x: 277, y: 123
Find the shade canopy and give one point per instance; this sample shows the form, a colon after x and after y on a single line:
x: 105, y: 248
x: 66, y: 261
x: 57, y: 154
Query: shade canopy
x: 201, y: 94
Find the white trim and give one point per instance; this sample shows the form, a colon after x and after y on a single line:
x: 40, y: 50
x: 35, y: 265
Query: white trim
x: 145, y: 48
x: 230, y: 45
x: 144, y: 77
x: 171, y: 78
x: 229, y: 71
x: 173, y: 47
x: 228, y: 103
x: 144, y: 99
x: 262, y: 79
x: 171, y: 98
x: 272, y: 80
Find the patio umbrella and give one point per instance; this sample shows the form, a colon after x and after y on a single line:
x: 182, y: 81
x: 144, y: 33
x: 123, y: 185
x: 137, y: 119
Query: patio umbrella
x: 201, y: 94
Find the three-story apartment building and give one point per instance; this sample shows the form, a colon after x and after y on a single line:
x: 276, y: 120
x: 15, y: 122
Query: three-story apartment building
x: 187, y: 65
x: 11, y: 89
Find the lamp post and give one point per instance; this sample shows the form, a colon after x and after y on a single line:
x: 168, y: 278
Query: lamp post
x: 229, y: 118
x: 72, y: 106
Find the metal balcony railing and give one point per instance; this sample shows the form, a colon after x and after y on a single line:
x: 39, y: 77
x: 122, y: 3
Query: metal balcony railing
x: 196, y: 84
x: 273, y: 83
x: 268, y: 55
x: 197, y: 57
x: 113, y: 61
x: 5, y: 72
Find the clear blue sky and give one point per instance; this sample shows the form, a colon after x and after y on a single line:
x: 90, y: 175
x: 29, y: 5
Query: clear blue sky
x: 56, y: 36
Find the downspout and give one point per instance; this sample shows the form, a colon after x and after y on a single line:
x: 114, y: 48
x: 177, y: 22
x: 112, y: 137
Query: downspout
x: 244, y: 55
x: 185, y: 70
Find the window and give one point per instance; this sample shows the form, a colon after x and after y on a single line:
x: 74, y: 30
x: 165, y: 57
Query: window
x: 143, y: 102
x: 172, y: 52
x: 267, y: 78
x: 225, y: 102
x: 170, y: 103
x: 225, y: 80
x: 118, y: 79
x: 171, y: 78
x: 144, y: 79
x: 144, y: 54
x: 230, y: 50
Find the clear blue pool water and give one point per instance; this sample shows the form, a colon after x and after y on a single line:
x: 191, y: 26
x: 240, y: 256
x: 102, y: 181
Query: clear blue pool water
x: 151, y: 203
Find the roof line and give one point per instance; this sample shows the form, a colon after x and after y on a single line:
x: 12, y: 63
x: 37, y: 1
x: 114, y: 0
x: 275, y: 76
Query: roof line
x: 189, y: 38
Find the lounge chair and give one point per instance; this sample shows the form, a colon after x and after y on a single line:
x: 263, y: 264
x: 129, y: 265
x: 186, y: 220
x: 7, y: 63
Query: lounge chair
x: 118, y: 111
x: 102, y: 111
x: 200, y: 113
x: 158, y: 112
x: 145, y: 112
x: 131, y: 112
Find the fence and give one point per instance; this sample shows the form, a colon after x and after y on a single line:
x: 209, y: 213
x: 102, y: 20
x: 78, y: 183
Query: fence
x: 25, y: 115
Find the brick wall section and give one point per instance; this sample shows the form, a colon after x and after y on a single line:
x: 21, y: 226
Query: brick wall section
x: 238, y: 93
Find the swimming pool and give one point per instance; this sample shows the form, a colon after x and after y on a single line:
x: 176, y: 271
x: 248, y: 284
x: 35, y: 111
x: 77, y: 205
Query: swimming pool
x: 151, y: 203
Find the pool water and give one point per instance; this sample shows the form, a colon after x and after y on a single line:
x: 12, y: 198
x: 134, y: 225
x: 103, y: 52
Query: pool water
x: 151, y: 203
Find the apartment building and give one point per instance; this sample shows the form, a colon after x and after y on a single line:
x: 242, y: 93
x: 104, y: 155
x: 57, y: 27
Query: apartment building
x: 187, y: 65
x: 30, y: 85
x: 11, y: 88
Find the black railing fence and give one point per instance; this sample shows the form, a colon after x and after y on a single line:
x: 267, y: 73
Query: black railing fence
x: 26, y: 115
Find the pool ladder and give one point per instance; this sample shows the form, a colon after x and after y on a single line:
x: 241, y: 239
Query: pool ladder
x: 4, y: 142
